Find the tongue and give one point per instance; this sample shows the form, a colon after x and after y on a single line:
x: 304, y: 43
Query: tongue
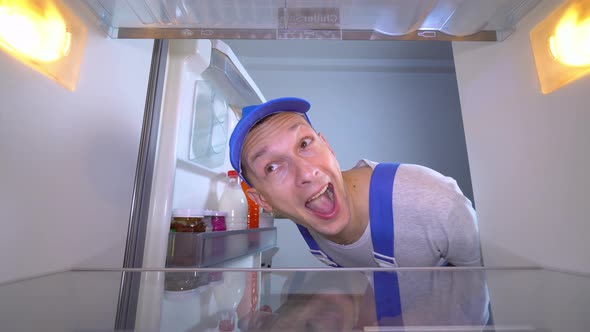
x: 322, y: 204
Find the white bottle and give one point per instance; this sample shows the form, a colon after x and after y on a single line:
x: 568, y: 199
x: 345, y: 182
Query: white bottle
x: 233, y: 201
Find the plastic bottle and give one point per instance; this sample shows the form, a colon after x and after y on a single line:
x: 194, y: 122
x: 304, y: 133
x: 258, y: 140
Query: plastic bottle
x: 233, y: 201
x: 253, y: 208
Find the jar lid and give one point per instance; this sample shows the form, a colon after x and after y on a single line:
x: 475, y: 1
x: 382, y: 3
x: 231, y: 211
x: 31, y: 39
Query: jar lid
x: 215, y: 213
x: 187, y: 213
x: 207, y: 212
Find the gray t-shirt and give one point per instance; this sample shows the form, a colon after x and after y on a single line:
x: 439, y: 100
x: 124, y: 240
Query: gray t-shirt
x: 434, y: 224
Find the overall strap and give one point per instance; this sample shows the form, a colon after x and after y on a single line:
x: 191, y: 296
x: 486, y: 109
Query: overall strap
x: 314, y: 248
x: 381, y: 213
x: 386, y: 285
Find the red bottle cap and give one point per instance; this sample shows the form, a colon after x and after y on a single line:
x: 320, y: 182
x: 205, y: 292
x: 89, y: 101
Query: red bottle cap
x: 232, y: 173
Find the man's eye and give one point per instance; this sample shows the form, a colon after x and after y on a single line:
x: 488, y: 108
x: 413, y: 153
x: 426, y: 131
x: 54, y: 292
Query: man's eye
x: 270, y: 168
x: 305, y: 143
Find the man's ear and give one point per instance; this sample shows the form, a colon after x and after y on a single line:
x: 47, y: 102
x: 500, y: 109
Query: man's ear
x: 325, y: 141
x: 258, y: 198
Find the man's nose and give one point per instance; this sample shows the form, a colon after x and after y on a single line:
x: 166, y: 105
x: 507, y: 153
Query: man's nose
x: 306, y: 171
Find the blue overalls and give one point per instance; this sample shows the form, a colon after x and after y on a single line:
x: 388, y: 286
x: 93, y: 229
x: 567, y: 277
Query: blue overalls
x: 386, y: 286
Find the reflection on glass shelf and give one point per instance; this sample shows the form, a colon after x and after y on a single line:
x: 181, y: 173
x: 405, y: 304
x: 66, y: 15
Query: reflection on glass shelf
x: 438, y: 299
x: 356, y: 301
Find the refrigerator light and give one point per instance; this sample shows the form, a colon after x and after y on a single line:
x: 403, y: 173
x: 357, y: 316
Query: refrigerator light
x: 41, y: 38
x: 561, y: 45
x: 570, y: 44
x: 44, y: 35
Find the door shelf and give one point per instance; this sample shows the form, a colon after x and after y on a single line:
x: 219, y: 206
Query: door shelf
x: 213, y: 248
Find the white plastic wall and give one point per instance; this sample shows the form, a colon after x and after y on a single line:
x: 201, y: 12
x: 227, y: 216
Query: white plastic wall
x: 68, y: 158
x: 537, y: 300
x: 76, y: 301
x: 528, y: 153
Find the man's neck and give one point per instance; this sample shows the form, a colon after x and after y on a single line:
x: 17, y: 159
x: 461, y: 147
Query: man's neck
x: 356, y: 182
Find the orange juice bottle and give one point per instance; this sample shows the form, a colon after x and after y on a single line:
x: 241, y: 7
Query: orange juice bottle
x: 253, y: 209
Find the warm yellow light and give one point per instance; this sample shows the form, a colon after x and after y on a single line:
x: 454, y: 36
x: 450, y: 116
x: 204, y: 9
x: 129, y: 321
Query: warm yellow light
x: 570, y: 44
x: 38, y: 36
x: 46, y: 36
x: 561, y: 45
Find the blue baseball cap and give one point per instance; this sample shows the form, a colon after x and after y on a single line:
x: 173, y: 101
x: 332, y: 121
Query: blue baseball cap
x: 252, y: 115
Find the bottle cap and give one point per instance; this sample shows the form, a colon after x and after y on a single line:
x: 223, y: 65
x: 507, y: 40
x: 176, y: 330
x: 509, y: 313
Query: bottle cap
x: 232, y: 173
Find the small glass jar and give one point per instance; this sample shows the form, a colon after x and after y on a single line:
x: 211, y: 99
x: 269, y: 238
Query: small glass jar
x: 266, y: 219
x: 187, y: 221
x: 218, y: 221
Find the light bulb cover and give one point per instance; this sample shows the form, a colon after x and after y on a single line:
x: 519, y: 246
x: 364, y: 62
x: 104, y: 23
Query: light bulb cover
x: 561, y: 45
x: 46, y: 36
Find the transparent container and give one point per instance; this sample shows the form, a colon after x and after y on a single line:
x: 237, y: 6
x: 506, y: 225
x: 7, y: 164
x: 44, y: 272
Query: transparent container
x: 210, y: 126
x: 214, y: 220
x: 212, y: 248
x: 187, y: 220
x: 267, y: 219
x: 217, y: 220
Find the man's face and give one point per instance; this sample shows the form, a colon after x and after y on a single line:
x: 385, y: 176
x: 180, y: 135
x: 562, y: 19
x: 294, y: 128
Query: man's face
x: 293, y: 170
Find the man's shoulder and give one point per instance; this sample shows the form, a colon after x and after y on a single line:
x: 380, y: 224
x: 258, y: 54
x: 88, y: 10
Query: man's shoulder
x: 423, y: 178
x: 419, y: 179
x: 426, y: 194
x: 416, y: 175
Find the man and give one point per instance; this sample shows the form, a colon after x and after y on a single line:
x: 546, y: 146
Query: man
x: 417, y: 217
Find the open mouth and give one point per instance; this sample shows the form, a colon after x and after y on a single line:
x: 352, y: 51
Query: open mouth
x: 323, y: 201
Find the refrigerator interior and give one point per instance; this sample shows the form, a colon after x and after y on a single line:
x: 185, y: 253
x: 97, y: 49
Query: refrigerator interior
x: 525, y: 154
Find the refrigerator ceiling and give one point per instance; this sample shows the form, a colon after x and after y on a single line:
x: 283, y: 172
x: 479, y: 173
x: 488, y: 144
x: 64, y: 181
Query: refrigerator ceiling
x: 456, y: 20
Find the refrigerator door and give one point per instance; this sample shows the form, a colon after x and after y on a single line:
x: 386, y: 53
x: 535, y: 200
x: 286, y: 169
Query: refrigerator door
x: 197, y: 88
x: 205, y: 88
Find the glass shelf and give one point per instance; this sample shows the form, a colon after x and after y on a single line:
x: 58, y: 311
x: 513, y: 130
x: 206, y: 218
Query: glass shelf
x: 437, y: 299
